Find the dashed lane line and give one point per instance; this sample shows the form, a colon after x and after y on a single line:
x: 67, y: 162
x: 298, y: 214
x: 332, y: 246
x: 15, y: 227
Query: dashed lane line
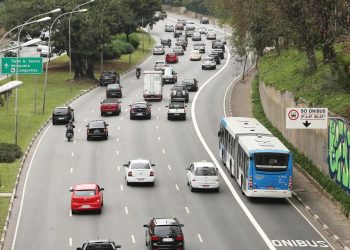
x: 177, y: 187
x: 126, y: 210
x: 133, y: 239
x: 187, y: 210
x: 169, y: 167
x: 121, y: 187
x: 70, y: 241
x: 163, y: 150
x: 200, y: 238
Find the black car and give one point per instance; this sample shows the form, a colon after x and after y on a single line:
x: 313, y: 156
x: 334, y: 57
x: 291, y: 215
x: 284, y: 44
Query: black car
x: 140, y: 110
x: 177, y: 33
x: 109, y: 77
x: 163, y: 14
x: 218, y: 45
x: 189, y: 33
x: 204, y: 20
x: 10, y: 53
x: 165, y: 41
x: 97, y: 129
x: 220, y: 52
x: 182, y: 38
x: 62, y: 115
x: 164, y: 233
x: 99, y: 244
x: 179, y: 93
x: 191, y: 84
x: 200, y: 47
x: 216, y: 57
x: 114, y: 91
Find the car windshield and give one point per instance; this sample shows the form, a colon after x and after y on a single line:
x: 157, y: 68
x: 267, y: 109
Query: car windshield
x: 140, y: 165
x: 99, y: 246
x: 177, y: 48
x: 178, y: 87
x: 158, y: 64
x: 271, y: 162
x: 158, y: 46
x: 61, y: 111
x: 97, y: 124
x: 110, y: 100
x: 188, y: 81
x: 168, y: 71
x: 139, y: 105
x: 205, y: 171
x: 176, y: 105
x: 208, y: 59
x: 163, y: 231
x: 81, y: 193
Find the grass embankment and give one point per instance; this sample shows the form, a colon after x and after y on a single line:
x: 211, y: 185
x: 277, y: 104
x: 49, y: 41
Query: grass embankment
x: 335, y: 191
x: 58, y: 93
x: 286, y: 72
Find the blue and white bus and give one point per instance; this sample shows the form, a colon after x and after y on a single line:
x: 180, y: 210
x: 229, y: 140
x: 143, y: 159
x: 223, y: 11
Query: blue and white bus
x: 260, y: 163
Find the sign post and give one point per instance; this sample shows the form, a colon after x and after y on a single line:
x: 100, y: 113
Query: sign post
x: 26, y: 65
x: 306, y: 118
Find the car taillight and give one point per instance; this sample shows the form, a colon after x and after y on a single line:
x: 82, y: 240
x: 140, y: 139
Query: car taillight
x: 290, y: 184
x: 151, y: 173
x: 179, y: 237
x: 129, y: 173
x: 250, y: 183
x: 154, y: 238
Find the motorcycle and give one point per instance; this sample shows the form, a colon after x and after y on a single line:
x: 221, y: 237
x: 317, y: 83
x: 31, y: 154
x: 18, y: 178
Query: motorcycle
x: 138, y: 73
x: 69, y: 134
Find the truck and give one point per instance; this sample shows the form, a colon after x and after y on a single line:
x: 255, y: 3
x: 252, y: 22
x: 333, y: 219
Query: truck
x: 152, y: 85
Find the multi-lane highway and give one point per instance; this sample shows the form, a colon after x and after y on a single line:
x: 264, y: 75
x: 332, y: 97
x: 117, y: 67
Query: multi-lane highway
x: 225, y: 220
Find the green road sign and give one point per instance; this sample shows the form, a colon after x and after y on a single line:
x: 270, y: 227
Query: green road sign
x: 26, y: 65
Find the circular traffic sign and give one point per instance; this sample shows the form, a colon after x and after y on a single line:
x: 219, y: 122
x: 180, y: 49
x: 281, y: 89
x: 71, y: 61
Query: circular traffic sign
x: 293, y: 114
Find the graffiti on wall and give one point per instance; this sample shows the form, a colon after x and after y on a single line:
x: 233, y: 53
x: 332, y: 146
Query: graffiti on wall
x: 339, y: 152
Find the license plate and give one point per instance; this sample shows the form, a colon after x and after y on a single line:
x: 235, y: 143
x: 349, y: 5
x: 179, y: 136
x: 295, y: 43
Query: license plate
x: 205, y: 186
x: 109, y: 112
x: 168, y: 239
x: 270, y: 188
x: 176, y: 114
x: 85, y: 206
x: 140, y: 179
x: 96, y: 131
x: 139, y: 114
x: 60, y: 118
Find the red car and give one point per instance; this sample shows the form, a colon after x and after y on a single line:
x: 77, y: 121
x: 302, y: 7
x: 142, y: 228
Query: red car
x: 171, y: 58
x: 110, y: 106
x: 179, y: 26
x: 86, y: 197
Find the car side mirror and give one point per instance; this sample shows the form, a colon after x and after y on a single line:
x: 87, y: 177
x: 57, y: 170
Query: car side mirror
x: 181, y: 225
x: 120, y: 101
x: 79, y: 248
x: 100, y: 102
x: 185, y: 106
x: 107, y: 124
x: 153, y: 165
x: 188, y: 168
x: 87, y: 126
x: 167, y: 106
x: 101, y: 189
x: 118, y: 246
x: 125, y: 165
x: 130, y: 105
x: 146, y: 225
x: 70, y: 189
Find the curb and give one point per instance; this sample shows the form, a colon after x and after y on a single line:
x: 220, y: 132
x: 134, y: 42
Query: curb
x: 24, y: 157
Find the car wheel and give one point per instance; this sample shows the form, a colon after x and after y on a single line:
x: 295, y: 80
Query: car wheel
x: 202, y: 67
x: 149, y: 117
x: 192, y: 189
x: 102, y: 114
x: 88, y: 138
x: 106, y: 137
x: 73, y: 212
x: 99, y: 211
x: 217, y: 190
x: 131, y: 118
x: 127, y: 183
x: 169, y: 118
x: 53, y: 122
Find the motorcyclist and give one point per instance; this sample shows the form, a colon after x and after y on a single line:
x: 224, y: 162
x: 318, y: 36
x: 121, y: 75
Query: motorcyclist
x: 138, y: 72
x: 169, y: 42
x: 70, y: 128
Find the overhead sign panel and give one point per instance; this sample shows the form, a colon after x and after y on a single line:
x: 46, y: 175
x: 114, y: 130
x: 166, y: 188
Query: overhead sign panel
x: 26, y: 65
x: 306, y: 118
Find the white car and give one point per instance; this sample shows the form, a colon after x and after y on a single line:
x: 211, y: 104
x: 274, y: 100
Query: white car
x: 41, y: 44
x: 139, y: 171
x: 203, y: 175
x: 211, y: 35
x: 190, y: 25
x: 201, y: 29
x: 44, y: 51
x: 195, y: 55
x: 158, y: 49
x: 176, y: 110
x: 209, y: 63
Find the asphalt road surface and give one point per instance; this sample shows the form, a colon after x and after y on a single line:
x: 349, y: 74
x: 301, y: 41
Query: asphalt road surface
x: 225, y: 220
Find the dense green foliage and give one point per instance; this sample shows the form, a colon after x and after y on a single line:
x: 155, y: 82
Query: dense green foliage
x: 335, y: 191
x: 9, y: 152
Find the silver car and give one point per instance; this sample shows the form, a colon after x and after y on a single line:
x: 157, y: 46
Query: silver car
x: 211, y: 35
x: 196, y: 36
x: 169, y: 28
x: 178, y: 50
x: 209, y: 63
x: 158, y: 50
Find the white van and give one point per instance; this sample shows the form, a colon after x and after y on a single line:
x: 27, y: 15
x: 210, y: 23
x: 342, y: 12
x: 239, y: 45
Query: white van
x: 152, y: 85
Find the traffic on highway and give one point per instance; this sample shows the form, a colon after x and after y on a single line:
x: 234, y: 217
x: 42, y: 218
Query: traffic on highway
x: 153, y: 163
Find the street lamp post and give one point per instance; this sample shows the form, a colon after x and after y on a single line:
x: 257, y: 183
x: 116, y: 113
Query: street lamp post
x: 69, y: 43
x: 49, y: 54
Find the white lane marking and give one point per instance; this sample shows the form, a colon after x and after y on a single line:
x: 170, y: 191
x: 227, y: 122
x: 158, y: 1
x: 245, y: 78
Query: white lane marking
x: 159, y: 109
x: 117, y: 152
x: 187, y: 210
x: 157, y: 117
x: 302, y: 215
x: 25, y: 187
x: 126, y: 210
x: 177, y: 187
x: 70, y: 241
x: 137, y: 95
x: 158, y: 138
x: 75, y: 141
x: 117, y: 139
x: 121, y: 187
x: 118, y: 127
x: 121, y: 118
x: 79, y: 130
x: 71, y: 170
x: 92, y: 111
x: 163, y: 150
x: 126, y: 110
x: 70, y: 213
x: 169, y: 167
x: 157, y: 127
x: 72, y: 154
x: 200, y: 238
x: 85, y: 120
x: 118, y: 167
x: 225, y: 178
x: 133, y: 238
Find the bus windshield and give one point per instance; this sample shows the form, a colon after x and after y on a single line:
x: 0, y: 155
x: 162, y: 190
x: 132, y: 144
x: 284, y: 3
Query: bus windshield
x: 271, y: 162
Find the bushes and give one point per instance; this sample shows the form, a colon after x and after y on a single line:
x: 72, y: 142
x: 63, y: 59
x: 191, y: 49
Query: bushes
x: 9, y: 152
x: 325, y: 182
x: 133, y: 39
x: 120, y: 46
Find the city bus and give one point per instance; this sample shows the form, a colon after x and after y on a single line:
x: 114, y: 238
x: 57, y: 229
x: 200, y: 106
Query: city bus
x: 260, y: 163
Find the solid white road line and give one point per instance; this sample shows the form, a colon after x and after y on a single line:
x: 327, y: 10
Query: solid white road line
x: 25, y: 187
x: 117, y: 152
x: 200, y: 238
x: 121, y: 187
x: 157, y: 117
x: 71, y: 170
x: 187, y: 210
x: 117, y: 139
x: 72, y: 154
x: 70, y: 241
x: 126, y: 210
x: 157, y: 127
x: 163, y: 150
x: 222, y: 172
x: 118, y: 167
x: 121, y: 118
x: 133, y: 238
x: 92, y: 111
x: 158, y: 138
x: 70, y: 213
x: 75, y: 141
x: 177, y: 187
x: 169, y: 167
